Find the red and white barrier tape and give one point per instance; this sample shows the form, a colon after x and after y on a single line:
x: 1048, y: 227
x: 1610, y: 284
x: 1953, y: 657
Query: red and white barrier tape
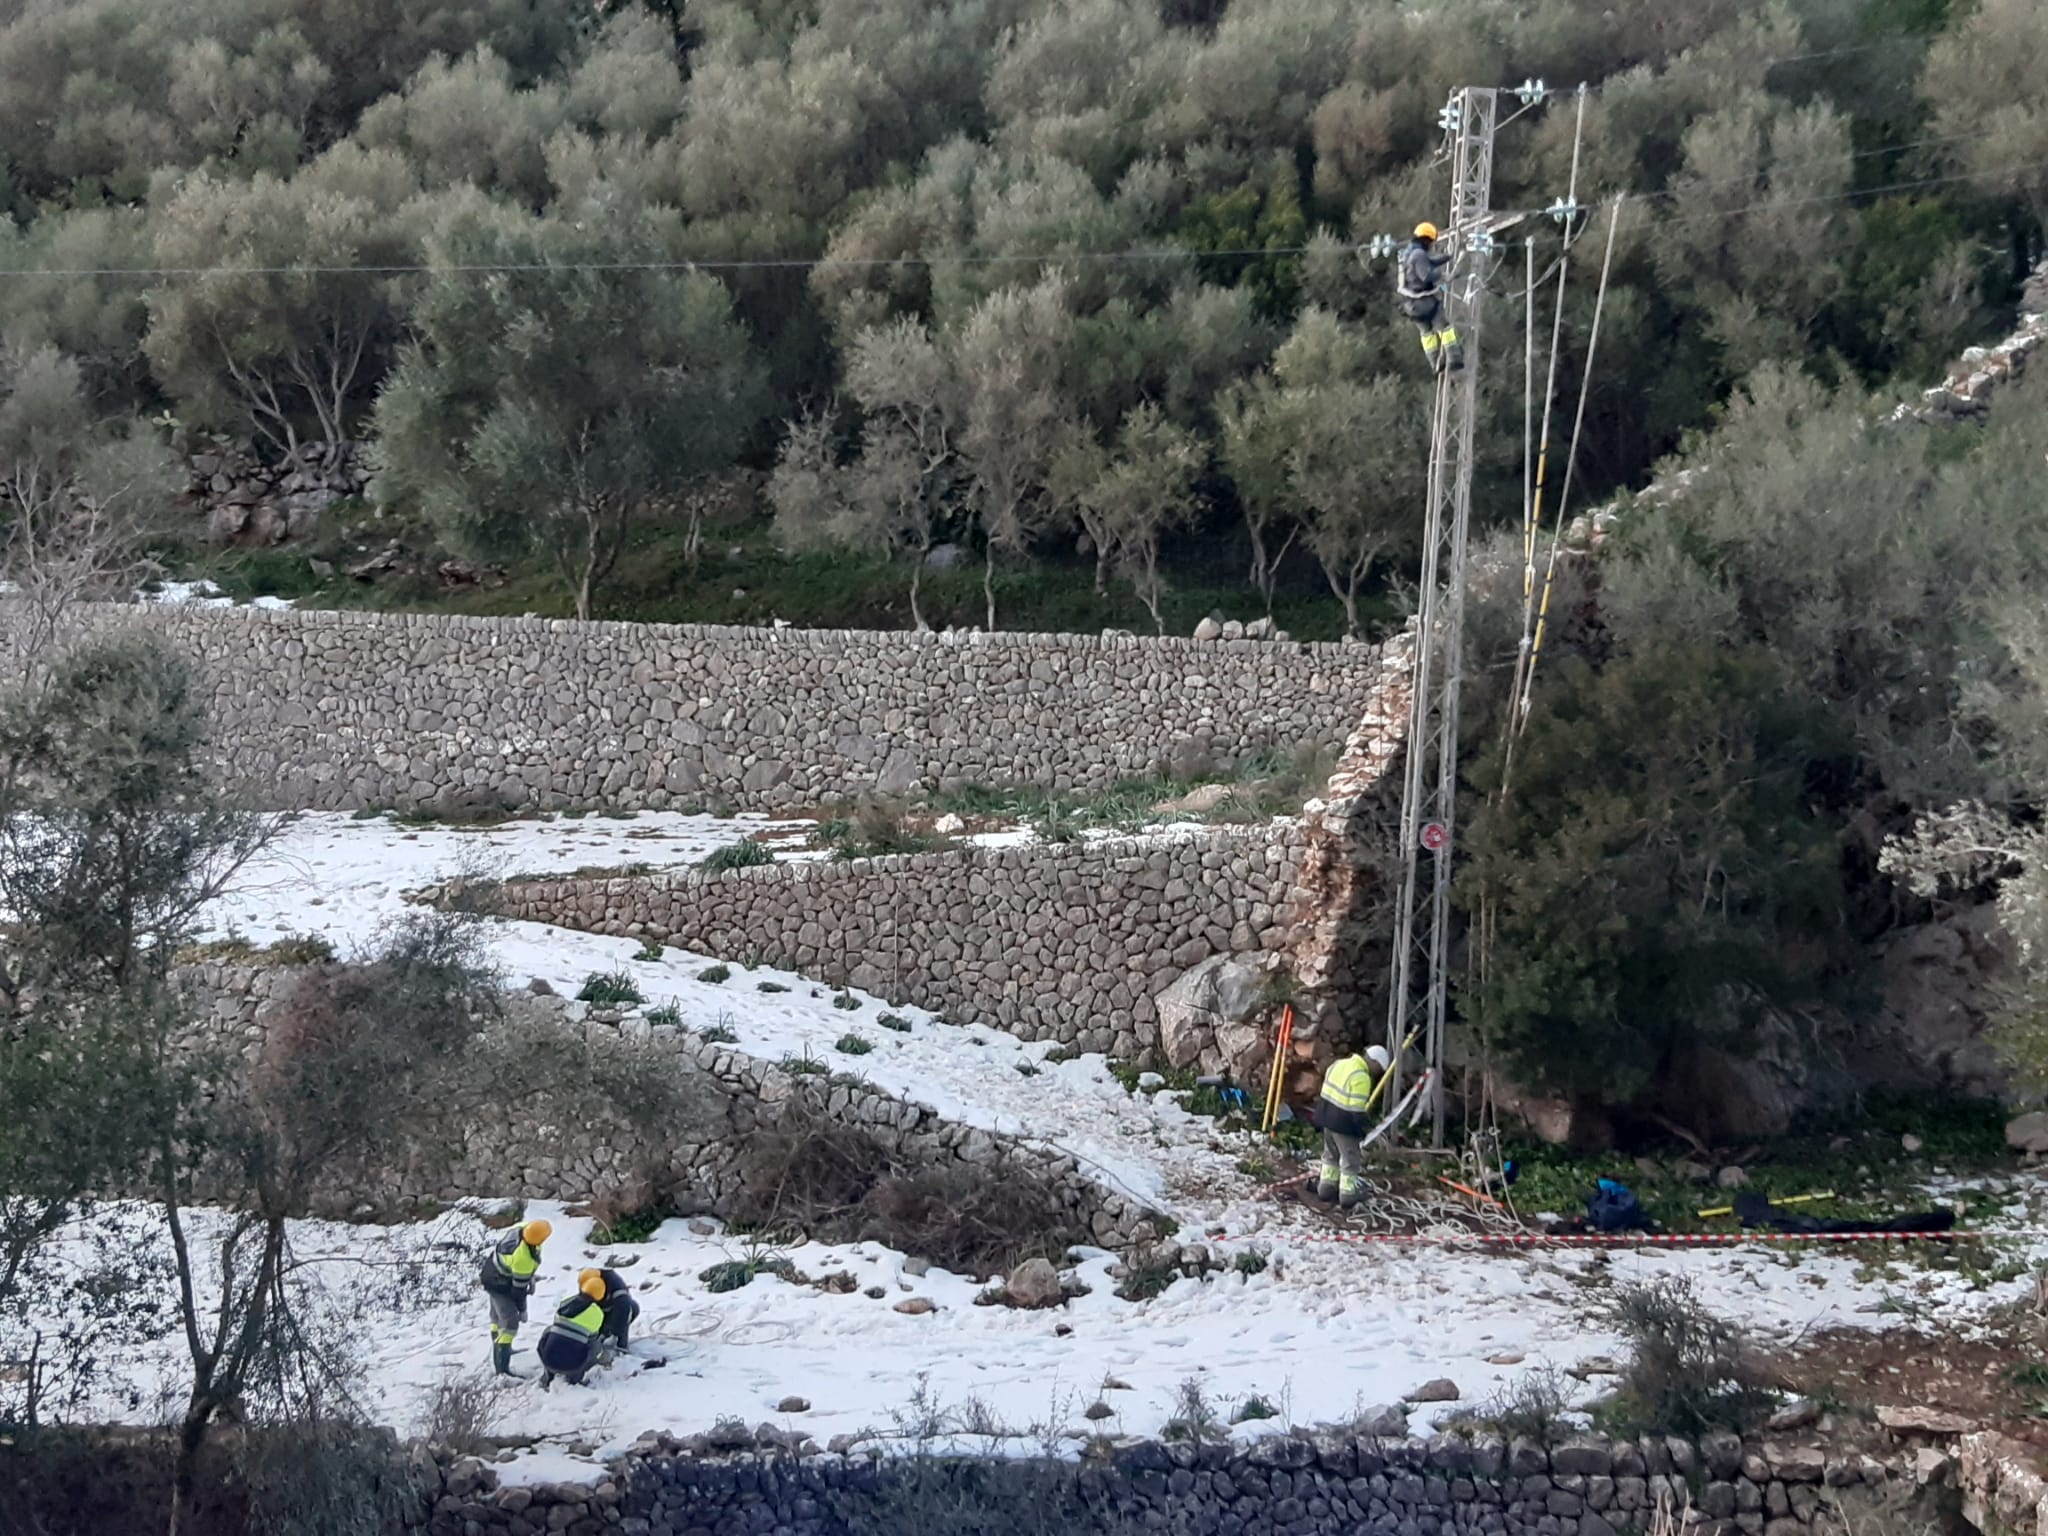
x: 1617, y: 1239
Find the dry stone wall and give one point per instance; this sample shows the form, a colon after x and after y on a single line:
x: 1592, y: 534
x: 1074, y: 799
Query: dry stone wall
x: 694, y: 1159
x: 1063, y: 941
x: 1283, y: 1485
x: 341, y: 710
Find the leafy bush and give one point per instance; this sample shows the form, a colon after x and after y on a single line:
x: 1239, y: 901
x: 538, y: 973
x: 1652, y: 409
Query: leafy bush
x: 649, y: 952
x: 721, y: 1033
x: 744, y: 854
x: 846, y: 1002
x: 633, y: 1227
x: 714, y: 974
x: 734, y: 1273
x: 896, y: 1022
x: 769, y: 986
x: 853, y: 1045
x: 1687, y: 1370
x: 1253, y: 1409
x: 668, y: 1014
x: 609, y: 987
x: 300, y: 949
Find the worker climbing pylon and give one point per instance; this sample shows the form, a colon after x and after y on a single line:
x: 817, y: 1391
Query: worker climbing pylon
x: 1422, y: 299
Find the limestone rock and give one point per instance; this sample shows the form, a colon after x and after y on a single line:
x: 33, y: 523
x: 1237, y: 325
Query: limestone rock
x: 1732, y: 1177
x: 1033, y: 1284
x: 1205, y: 1015
x: 1441, y: 1390
x: 2029, y: 1132
x: 1386, y: 1423
x: 915, y: 1306
x: 1917, y: 1420
x: 1209, y: 629
x: 793, y: 1405
x: 1796, y: 1415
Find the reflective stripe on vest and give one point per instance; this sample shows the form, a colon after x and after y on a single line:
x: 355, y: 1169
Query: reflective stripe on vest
x: 1348, y: 1084
x: 589, y: 1320
x: 517, y: 1262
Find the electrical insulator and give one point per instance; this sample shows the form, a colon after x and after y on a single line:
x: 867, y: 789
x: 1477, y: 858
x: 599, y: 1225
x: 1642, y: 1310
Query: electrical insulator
x: 1382, y: 246
x: 1481, y: 243
x: 1564, y: 210
x: 1531, y: 92
x: 1449, y: 117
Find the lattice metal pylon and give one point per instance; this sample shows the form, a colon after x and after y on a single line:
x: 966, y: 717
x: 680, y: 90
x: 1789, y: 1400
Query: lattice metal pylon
x: 1417, y: 997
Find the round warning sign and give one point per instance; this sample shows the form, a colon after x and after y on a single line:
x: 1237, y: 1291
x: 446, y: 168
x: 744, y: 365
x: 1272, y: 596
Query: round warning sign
x: 1434, y: 837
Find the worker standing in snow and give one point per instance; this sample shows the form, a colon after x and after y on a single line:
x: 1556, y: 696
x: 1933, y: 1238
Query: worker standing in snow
x: 508, y: 1273
x: 568, y: 1346
x: 1422, y: 299
x: 1340, y: 1116
x: 619, y: 1306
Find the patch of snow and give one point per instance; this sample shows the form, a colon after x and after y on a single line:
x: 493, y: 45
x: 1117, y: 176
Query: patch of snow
x: 1326, y: 1328
x: 204, y: 594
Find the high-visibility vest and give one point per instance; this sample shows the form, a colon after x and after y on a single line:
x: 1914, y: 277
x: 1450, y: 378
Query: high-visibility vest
x: 585, y: 1319
x: 516, y: 1262
x: 1348, y: 1084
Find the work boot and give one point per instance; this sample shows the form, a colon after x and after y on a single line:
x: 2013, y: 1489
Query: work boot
x: 501, y: 1359
x: 547, y: 1379
x: 1457, y: 358
x: 1349, y: 1198
x: 1327, y: 1193
x: 621, y: 1333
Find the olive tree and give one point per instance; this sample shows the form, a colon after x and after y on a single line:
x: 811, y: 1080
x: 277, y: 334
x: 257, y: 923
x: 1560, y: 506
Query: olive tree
x: 558, y: 396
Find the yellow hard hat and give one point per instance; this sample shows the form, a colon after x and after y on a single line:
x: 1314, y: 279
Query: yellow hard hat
x: 585, y: 1276
x: 534, y: 1233
x: 1425, y: 230
x: 593, y: 1285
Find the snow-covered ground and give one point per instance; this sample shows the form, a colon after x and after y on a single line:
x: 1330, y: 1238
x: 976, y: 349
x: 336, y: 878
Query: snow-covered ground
x: 1326, y: 1329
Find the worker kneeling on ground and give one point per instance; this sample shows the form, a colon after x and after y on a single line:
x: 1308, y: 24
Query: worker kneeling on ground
x: 619, y: 1307
x: 568, y: 1348
x: 1340, y: 1116
x: 508, y: 1272
x: 1422, y: 300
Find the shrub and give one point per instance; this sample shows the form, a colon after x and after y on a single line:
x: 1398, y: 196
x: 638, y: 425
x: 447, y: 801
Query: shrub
x: 770, y: 986
x: 633, y: 1227
x: 714, y: 974
x: 609, y: 987
x: 805, y: 1066
x: 744, y: 854
x: 300, y: 949
x: 1194, y: 1416
x: 896, y: 1022
x: 837, y: 1182
x: 1688, y: 1370
x: 1532, y: 1405
x: 721, y: 1033
x: 1249, y: 1263
x: 459, y: 1413
x: 649, y: 951
x: 1253, y: 1409
x: 846, y: 1002
x: 667, y: 1014
x: 854, y: 1045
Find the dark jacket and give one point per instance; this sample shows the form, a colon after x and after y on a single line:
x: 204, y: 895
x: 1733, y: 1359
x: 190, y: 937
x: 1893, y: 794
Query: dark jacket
x: 618, y: 1301
x: 501, y: 1265
x: 1421, y: 277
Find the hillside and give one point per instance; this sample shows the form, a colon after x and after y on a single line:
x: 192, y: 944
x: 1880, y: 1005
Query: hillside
x: 1063, y: 291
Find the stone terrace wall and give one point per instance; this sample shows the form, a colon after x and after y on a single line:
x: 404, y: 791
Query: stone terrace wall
x: 1062, y: 941
x: 1280, y: 1486
x: 341, y: 710
x: 512, y: 1156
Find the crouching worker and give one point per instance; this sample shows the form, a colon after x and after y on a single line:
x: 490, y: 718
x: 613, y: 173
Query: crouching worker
x: 508, y: 1272
x: 568, y: 1348
x: 619, y: 1307
x: 1340, y: 1116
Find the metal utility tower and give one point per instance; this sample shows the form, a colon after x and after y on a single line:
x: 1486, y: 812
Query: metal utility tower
x: 1417, y: 995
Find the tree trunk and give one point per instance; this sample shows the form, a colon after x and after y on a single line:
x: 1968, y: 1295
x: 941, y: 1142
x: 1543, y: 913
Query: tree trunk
x: 185, y: 1471
x: 988, y: 582
x: 916, y: 581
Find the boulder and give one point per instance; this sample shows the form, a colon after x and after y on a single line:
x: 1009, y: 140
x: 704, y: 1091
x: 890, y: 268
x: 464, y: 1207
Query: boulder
x: 1034, y: 1283
x: 2028, y: 1133
x: 1442, y: 1390
x: 1259, y: 629
x: 1916, y: 1419
x: 1387, y: 1423
x: 1205, y: 1017
x: 1209, y: 629
x: 1795, y: 1415
x: 915, y: 1306
x: 1732, y: 1177
x: 946, y: 557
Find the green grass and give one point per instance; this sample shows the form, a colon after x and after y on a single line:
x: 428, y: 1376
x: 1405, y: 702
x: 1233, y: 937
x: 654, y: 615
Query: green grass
x: 667, y: 1014
x: 836, y: 589
x: 609, y: 987
x: 634, y: 1227
x: 720, y: 1033
x: 744, y: 854
x: 896, y: 1022
x: 853, y: 1045
x: 846, y: 1002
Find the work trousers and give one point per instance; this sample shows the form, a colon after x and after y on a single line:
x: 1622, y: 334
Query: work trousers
x: 508, y: 1311
x: 1339, y: 1174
